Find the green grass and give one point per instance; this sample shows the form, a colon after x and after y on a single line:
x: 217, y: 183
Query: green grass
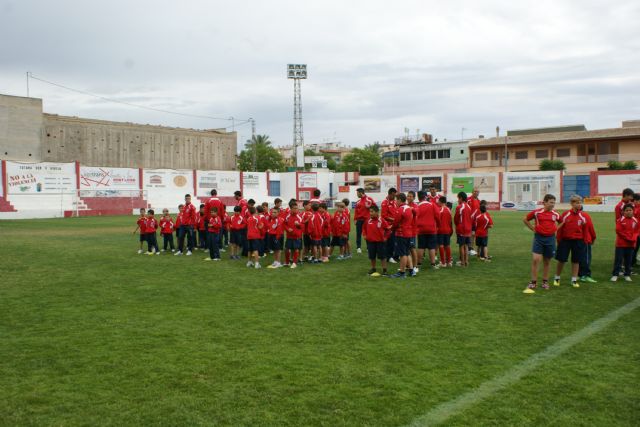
x: 93, y: 334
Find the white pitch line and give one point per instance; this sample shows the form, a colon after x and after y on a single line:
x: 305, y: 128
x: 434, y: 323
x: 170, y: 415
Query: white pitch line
x: 453, y: 407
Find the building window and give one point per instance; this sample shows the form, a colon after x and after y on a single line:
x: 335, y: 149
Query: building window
x: 522, y: 155
x: 481, y: 157
x: 461, y: 151
x: 542, y: 154
x: 429, y: 155
x: 496, y: 155
x: 444, y: 154
x: 563, y: 152
x: 417, y: 155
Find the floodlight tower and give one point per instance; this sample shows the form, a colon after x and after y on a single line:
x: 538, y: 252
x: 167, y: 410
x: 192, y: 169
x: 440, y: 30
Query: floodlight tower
x: 297, y: 72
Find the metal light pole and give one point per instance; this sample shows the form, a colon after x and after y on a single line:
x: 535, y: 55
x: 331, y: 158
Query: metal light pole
x: 255, y: 144
x: 297, y: 72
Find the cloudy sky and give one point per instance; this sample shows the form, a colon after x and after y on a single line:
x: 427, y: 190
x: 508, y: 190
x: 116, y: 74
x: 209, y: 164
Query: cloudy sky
x: 375, y: 67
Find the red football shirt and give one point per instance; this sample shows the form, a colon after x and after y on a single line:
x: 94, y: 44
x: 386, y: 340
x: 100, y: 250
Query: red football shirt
x: 545, y: 221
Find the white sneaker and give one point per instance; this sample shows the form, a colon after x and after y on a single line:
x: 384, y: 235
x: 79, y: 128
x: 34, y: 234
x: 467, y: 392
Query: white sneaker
x: 216, y: 259
x: 359, y: 251
x: 161, y: 250
x: 223, y: 250
x: 472, y: 252
x: 173, y: 250
x: 258, y: 265
x: 416, y: 270
x: 614, y: 278
x: 177, y: 253
x: 393, y: 261
x: 157, y: 253
x: 188, y: 253
x: 249, y: 264
x: 627, y: 279
x: 140, y: 251
x: 293, y: 265
x: 207, y: 259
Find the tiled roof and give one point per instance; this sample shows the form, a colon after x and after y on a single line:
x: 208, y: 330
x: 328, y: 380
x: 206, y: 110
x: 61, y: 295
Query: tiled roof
x: 559, y: 137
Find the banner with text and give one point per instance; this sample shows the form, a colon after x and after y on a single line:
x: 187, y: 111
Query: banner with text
x: 225, y: 182
x: 40, y: 178
x: 109, y: 182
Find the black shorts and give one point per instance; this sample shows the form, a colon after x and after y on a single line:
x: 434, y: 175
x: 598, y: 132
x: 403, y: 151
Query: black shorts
x: 377, y: 250
x: 275, y: 242
x: 482, y: 241
x: 326, y: 242
x: 294, y: 244
x: 237, y: 237
x: 307, y: 240
x: 403, y: 246
x: 427, y: 241
x: 444, y: 239
x: 578, y: 249
x: 337, y: 241
x: 463, y: 240
x: 316, y: 242
x: 143, y: 237
x: 412, y: 242
x: 254, y: 244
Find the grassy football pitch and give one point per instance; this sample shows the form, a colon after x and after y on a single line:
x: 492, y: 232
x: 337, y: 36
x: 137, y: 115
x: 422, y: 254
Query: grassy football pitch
x: 91, y: 333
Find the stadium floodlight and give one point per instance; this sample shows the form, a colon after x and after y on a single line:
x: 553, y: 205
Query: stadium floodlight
x: 297, y: 72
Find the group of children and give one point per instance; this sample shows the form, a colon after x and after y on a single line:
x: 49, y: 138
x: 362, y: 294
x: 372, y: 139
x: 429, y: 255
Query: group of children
x: 407, y: 231
x: 572, y: 233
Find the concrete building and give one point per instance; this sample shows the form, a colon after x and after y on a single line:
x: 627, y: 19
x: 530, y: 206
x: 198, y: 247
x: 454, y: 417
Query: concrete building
x: 416, y: 157
x: 581, y: 150
x: 27, y: 134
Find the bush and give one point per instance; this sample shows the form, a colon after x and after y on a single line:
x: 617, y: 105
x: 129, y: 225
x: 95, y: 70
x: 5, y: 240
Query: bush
x: 614, y: 165
x: 552, y: 165
x: 630, y: 165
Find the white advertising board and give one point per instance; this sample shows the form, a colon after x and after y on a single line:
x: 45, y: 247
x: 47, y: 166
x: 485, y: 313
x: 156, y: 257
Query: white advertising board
x: 40, y: 178
x: 224, y: 182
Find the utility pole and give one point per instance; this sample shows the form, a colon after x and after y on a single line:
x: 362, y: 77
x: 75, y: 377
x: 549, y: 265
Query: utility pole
x: 297, y: 72
x: 255, y: 144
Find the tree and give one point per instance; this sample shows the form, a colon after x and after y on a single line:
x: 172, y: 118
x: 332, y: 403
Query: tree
x: 267, y: 157
x: 552, y: 165
x: 366, y: 161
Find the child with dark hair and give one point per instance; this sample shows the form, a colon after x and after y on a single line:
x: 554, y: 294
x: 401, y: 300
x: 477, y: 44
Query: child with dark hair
x: 627, y: 230
x: 347, y: 213
x: 202, y: 228
x: 375, y: 232
x: 254, y: 237
x: 214, y: 225
x: 445, y: 230
x: 141, y: 225
x: 483, y: 223
x: 152, y: 240
x: 237, y: 226
x: 462, y: 220
x: 166, y: 229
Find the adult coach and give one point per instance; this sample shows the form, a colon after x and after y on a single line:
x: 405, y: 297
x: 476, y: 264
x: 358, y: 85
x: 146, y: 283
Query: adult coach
x: 361, y: 214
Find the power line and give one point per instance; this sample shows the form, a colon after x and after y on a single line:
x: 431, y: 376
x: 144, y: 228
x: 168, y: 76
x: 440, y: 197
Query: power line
x: 159, y: 110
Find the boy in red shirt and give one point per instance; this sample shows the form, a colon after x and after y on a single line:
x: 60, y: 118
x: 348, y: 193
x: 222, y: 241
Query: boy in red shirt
x: 340, y: 229
x: 590, y: 237
x: 571, y: 238
x: 427, y: 219
x: 347, y: 212
x: 544, y: 240
x: 361, y: 214
x: 152, y: 240
x: 202, y: 228
x: 483, y: 222
x: 254, y: 238
x: 166, y: 229
x: 214, y: 226
x: 275, y: 229
x: 445, y: 230
x: 462, y: 220
x: 413, y: 243
x: 403, y: 226
x: 141, y: 224
x: 388, y: 213
x: 626, y: 236
x: 263, y: 216
x: 627, y: 197
x: 314, y: 227
x: 326, y: 232
x: 306, y: 237
x: 237, y: 226
x: 375, y: 231
x: 188, y: 221
x: 293, y: 225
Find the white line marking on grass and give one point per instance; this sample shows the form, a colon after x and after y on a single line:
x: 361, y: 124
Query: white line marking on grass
x: 448, y: 409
